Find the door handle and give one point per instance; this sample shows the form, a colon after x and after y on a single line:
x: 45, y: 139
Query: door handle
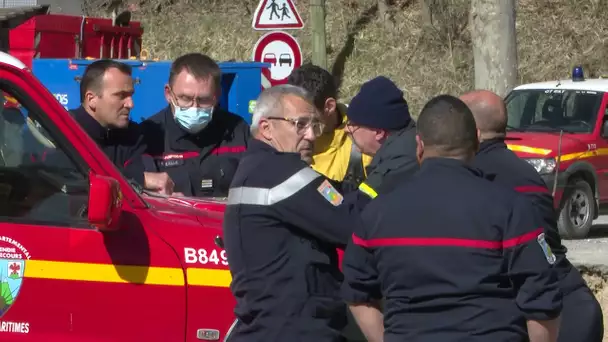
x: 219, y: 241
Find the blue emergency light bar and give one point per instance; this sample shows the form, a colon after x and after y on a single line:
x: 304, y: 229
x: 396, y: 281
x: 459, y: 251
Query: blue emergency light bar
x: 577, y: 74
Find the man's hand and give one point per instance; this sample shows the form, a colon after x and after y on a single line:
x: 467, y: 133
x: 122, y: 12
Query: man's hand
x: 370, y: 319
x: 159, y: 182
x: 543, y: 331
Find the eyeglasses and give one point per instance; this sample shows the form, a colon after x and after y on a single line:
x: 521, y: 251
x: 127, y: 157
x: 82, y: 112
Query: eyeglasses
x: 303, y: 123
x: 185, y: 102
x: 351, y: 127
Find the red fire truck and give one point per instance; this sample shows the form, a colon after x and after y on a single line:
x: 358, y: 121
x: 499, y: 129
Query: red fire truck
x: 561, y: 128
x: 87, y: 256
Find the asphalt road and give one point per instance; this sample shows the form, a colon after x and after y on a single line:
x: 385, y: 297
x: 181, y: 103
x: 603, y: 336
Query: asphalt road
x: 594, y: 249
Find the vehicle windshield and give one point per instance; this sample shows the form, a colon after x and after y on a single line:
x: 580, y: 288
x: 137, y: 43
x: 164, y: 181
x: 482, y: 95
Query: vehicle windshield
x: 553, y: 110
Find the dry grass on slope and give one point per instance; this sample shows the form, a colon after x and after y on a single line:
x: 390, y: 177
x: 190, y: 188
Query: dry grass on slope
x: 553, y: 35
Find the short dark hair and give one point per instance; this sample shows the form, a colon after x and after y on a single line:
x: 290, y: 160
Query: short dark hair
x: 92, y: 79
x: 317, y: 81
x: 198, y: 65
x: 447, y: 125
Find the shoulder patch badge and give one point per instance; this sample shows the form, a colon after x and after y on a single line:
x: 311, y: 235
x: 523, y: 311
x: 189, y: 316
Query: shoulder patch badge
x: 546, y: 249
x: 330, y: 193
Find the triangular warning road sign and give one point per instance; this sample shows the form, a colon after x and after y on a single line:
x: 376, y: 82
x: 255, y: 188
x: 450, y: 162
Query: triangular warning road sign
x: 276, y: 15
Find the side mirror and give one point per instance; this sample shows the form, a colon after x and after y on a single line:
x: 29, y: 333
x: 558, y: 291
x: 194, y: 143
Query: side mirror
x: 605, y: 129
x: 105, y: 202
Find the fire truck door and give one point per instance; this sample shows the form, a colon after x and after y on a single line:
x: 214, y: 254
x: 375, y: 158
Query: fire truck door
x: 40, y: 204
x: 133, y: 285
x: 601, y: 148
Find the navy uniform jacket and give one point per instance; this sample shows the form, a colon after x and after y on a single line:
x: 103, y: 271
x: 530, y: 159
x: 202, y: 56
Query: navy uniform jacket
x: 282, y: 225
x: 460, y: 261
x: 124, y: 146
x: 494, y: 158
x: 200, y: 164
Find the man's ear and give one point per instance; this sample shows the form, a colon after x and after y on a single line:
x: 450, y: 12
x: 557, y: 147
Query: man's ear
x: 264, y: 129
x: 168, y: 95
x: 90, y: 99
x: 330, y: 106
x: 381, y: 135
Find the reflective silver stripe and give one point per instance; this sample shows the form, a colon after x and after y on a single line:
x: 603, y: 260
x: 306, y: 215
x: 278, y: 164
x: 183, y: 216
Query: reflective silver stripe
x: 263, y: 196
x: 231, y: 330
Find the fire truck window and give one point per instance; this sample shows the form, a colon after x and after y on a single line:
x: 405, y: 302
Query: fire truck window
x: 39, y: 183
x: 553, y: 110
x: 515, y: 107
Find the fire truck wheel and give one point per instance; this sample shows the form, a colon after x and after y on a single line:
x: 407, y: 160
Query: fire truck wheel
x: 578, y: 210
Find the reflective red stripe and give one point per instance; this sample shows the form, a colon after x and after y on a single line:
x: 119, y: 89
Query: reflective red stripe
x: 192, y: 154
x: 449, y: 242
x: 520, y: 240
x: 228, y: 149
x: 531, y: 188
x: 170, y: 156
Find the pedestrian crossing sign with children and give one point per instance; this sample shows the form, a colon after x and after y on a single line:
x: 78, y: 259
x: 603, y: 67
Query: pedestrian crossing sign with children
x: 276, y: 15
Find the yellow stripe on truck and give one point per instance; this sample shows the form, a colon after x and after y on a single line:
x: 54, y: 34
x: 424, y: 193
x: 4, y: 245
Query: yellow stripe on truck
x: 565, y: 157
x: 528, y: 149
x: 586, y: 154
x: 208, y: 277
x: 126, y: 274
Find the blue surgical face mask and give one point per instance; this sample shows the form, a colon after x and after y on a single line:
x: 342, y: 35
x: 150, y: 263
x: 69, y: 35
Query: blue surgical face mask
x: 193, y: 119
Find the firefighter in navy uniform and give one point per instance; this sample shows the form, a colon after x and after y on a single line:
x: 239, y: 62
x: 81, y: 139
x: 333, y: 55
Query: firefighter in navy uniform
x: 282, y: 226
x: 106, y: 95
x: 470, y: 264
x: 581, y: 318
x: 198, y: 144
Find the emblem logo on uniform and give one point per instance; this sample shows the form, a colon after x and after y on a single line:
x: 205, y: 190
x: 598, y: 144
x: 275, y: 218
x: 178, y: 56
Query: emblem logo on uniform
x: 330, y: 193
x: 206, y: 183
x: 546, y: 249
x: 13, y: 257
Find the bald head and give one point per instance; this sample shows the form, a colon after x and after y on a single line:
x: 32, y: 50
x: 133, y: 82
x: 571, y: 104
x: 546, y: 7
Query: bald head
x: 489, y: 111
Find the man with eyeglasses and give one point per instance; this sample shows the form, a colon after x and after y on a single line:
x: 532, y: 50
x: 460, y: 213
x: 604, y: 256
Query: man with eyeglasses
x: 380, y: 125
x: 196, y: 142
x: 282, y: 225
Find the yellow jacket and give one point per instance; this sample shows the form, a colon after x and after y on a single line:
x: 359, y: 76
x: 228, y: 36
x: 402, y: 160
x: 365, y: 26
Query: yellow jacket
x: 331, y: 152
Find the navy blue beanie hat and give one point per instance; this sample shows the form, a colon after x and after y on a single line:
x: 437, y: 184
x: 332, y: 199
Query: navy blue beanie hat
x: 379, y: 104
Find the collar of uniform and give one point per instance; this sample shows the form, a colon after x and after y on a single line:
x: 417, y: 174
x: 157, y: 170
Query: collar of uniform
x: 434, y: 163
x: 491, y: 144
x: 90, y: 125
x: 256, y: 146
